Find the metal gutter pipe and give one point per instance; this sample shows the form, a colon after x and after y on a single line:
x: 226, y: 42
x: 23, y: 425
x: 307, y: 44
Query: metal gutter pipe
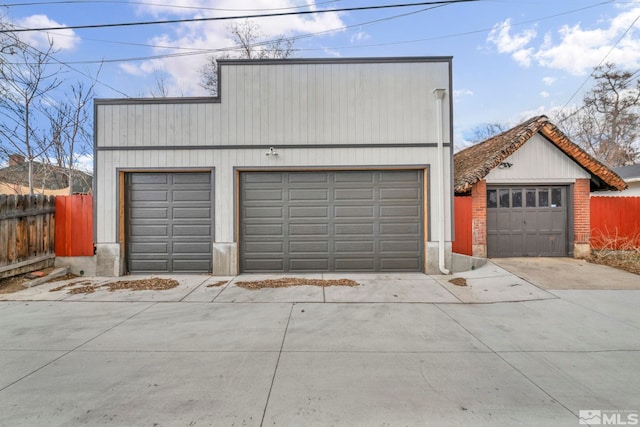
x: 439, y: 94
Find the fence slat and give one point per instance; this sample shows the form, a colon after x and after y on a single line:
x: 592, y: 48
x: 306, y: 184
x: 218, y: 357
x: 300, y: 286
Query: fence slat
x: 24, y: 240
x: 74, y: 225
x: 615, y: 222
x: 462, y: 223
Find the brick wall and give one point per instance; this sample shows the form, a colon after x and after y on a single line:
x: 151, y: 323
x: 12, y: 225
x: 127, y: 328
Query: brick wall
x: 581, y: 218
x: 479, y: 218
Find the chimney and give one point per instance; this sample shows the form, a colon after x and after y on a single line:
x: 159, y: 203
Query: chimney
x: 16, y: 159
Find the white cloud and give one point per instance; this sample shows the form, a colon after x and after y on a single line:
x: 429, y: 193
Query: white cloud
x: 62, y: 39
x: 545, y: 94
x: 458, y: 93
x: 501, y: 36
x: 514, y: 44
x: 575, y: 48
x: 183, y: 73
x: 360, y: 36
x: 549, y: 80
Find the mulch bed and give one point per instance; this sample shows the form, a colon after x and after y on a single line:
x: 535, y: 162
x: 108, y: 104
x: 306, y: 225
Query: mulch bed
x: 152, y: 284
x: 294, y: 281
x: 459, y: 281
x: 217, y: 284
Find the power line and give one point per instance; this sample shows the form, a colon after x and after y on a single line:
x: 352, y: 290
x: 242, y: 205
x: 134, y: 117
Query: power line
x: 252, y: 16
x: 195, y: 51
x: 601, y: 61
x: 140, y: 3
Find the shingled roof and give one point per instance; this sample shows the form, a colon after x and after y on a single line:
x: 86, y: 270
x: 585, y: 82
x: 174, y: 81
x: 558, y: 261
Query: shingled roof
x: 474, y: 163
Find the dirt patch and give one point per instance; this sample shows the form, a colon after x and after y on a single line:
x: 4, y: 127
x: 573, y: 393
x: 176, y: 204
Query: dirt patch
x: 67, y: 276
x: 217, y: 284
x: 12, y: 284
x: 458, y: 281
x: 294, y: 281
x: 623, y: 260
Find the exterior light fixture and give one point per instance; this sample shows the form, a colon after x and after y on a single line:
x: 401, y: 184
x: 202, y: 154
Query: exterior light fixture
x: 272, y: 152
x: 505, y: 165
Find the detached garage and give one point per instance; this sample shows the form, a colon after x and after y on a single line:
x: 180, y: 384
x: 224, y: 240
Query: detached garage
x: 299, y: 165
x: 530, y: 189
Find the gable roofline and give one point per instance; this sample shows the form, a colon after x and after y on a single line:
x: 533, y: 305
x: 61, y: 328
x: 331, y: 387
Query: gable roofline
x: 475, y: 162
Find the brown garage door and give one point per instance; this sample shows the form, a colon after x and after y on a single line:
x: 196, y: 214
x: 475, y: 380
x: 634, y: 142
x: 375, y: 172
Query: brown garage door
x: 526, y: 221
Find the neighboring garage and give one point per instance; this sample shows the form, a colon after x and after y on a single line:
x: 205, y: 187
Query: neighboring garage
x: 298, y: 165
x: 169, y: 222
x: 331, y: 221
x: 526, y: 221
x: 529, y: 190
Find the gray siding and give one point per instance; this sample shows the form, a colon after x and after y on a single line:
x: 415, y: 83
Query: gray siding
x: 280, y: 104
x: 538, y: 161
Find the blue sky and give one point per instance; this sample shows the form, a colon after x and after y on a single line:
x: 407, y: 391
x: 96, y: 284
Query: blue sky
x: 512, y: 59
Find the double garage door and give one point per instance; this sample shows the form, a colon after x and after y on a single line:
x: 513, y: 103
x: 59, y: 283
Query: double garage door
x: 331, y: 221
x: 526, y: 221
x: 288, y: 221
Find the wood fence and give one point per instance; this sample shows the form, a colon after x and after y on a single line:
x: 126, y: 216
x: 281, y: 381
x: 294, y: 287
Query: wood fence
x: 615, y: 222
x: 74, y: 225
x: 27, y: 233
x: 462, y: 223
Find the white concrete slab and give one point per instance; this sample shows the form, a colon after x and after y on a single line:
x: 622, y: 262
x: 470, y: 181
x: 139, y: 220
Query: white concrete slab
x: 187, y: 284
x: 367, y: 277
x: 143, y: 389
x: 199, y: 327
x: 584, y: 380
x: 422, y: 289
x: 495, y: 289
x: 569, y: 273
x: 490, y: 269
x: 206, y: 293
x: 407, y: 389
x: 617, y: 304
x: 18, y: 364
x: 375, y: 327
x: 43, y: 325
x: 549, y: 325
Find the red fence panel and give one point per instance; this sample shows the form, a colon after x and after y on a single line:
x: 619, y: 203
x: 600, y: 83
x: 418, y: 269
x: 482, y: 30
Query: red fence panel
x: 462, y: 224
x: 74, y: 225
x: 615, y: 222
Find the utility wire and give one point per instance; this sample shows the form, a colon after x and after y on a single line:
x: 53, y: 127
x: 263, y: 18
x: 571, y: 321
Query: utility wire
x: 252, y: 16
x: 195, y: 51
x: 600, y: 63
x: 140, y: 3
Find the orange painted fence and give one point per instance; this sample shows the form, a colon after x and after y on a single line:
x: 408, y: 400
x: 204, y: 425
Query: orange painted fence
x: 462, y: 224
x: 74, y: 225
x: 615, y: 222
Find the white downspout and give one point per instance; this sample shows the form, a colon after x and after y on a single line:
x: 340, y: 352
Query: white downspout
x: 439, y: 94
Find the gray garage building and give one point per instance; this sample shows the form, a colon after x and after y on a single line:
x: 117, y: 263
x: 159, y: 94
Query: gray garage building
x: 300, y: 165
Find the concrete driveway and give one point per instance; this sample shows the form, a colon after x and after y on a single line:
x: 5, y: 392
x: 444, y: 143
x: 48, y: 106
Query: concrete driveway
x: 404, y: 351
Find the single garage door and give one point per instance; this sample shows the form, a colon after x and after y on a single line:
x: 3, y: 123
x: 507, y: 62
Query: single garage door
x: 331, y: 221
x: 168, y: 222
x: 526, y: 221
